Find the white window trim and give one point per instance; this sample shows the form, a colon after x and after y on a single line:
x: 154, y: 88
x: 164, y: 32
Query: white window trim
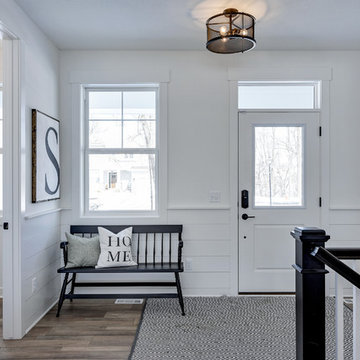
x: 78, y: 161
x: 315, y: 84
x: 2, y: 148
x: 88, y: 151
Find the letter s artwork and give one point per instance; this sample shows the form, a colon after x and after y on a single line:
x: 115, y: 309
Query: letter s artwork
x: 46, y: 159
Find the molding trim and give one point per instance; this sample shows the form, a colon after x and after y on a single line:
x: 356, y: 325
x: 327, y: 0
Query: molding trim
x: 198, y: 207
x: 344, y: 208
x: 42, y: 213
x: 261, y: 73
x: 139, y: 75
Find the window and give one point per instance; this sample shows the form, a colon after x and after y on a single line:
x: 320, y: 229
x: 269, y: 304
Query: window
x: 121, y: 154
x: 278, y: 169
x: 273, y: 95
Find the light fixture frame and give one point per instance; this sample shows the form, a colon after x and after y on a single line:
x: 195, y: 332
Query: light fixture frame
x: 234, y: 32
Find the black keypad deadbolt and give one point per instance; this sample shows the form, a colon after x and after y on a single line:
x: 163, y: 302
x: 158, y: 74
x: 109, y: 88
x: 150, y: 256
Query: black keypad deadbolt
x: 244, y: 199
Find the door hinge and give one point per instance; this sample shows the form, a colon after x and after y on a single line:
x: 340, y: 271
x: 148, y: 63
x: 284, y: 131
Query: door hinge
x: 320, y: 201
x: 320, y: 130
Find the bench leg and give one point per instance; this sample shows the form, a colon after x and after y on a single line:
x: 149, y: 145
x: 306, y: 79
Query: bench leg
x: 62, y: 294
x: 73, y: 279
x: 178, y: 286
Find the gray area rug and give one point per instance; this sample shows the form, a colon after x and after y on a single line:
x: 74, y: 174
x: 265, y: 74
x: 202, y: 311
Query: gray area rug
x: 247, y: 328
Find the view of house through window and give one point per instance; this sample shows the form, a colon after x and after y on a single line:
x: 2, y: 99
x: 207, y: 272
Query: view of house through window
x: 121, y: 154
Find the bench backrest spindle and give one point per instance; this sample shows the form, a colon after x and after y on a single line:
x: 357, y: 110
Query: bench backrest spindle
x: 162, y: 248
x: 146, y: 247
x: 169, y: 248
x: 138, y: 247
x: 154, y: 253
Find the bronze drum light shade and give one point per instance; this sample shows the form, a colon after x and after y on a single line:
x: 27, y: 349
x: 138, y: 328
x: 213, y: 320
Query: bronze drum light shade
x: 230, y: 32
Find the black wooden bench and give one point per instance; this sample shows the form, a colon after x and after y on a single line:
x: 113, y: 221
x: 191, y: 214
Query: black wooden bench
x: 156, y: 249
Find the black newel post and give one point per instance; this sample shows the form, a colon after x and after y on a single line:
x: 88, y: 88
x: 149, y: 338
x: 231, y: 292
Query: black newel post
x: 310, y: 294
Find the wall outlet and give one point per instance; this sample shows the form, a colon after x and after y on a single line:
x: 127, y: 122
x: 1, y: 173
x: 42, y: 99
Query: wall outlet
x: 214, y: 196
x: 34, y: 285
x: 188, y: 264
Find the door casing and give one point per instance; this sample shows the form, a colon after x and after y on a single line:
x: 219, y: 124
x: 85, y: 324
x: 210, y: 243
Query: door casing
x: 11, y: 261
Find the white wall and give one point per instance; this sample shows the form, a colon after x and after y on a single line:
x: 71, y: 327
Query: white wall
x: 39, y: 235
x: 198, y: 147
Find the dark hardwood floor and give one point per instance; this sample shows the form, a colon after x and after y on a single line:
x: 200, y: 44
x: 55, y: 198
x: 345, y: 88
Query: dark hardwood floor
x: 86, y: 329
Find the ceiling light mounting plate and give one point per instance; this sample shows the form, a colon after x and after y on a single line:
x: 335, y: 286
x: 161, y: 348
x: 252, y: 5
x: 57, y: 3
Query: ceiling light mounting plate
x: 230, y: 11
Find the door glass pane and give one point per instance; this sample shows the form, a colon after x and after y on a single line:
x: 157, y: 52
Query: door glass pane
x: 279, y: 166
x: 277, y: 96
x: 121, y: 182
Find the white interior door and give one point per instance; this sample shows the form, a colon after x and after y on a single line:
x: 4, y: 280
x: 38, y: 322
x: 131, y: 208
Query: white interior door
x: 279, y: 167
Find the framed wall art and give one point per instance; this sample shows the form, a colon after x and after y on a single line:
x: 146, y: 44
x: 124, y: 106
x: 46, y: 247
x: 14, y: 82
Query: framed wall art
x: 45, y: 157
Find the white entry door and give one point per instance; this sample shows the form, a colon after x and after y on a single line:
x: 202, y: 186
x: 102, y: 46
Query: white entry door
x: 279, y: 181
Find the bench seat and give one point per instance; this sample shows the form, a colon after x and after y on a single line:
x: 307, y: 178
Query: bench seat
x: 144, y: 268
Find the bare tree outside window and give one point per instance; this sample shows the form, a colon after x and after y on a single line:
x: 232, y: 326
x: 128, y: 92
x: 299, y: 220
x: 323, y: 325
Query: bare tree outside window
x: 278, y: 166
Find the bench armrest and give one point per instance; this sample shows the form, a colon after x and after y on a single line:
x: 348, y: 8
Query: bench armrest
x: 64, y: 247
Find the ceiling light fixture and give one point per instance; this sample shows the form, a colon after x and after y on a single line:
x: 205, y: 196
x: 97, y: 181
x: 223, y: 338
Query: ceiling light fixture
x: 230, y: 32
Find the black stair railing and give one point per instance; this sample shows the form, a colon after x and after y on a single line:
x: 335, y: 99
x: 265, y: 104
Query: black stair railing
x: 311, y: 258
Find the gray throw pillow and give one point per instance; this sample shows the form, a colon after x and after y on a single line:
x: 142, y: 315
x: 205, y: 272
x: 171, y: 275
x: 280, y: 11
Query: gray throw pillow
x: 82, y: 251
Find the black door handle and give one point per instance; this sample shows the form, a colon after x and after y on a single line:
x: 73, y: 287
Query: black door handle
x: 246, y: 216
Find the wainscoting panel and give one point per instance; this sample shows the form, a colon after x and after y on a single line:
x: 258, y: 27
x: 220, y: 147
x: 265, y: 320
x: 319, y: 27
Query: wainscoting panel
x: 41, y: 258
x: 206, y: 236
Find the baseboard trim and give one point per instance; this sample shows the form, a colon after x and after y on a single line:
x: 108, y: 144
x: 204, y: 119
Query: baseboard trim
x: 254, y: 294
x: 40, y: 317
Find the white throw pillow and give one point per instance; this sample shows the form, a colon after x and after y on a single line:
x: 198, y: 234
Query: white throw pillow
x: 115, y: 248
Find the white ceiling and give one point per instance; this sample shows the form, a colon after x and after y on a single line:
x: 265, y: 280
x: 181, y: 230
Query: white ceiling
x: 180, y: 24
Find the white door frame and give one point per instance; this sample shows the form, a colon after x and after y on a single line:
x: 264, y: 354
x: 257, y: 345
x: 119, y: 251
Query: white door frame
x: 265, y: 73
x: 12, y: 309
